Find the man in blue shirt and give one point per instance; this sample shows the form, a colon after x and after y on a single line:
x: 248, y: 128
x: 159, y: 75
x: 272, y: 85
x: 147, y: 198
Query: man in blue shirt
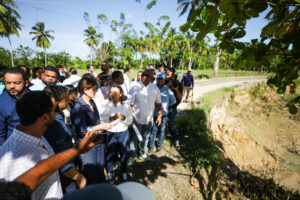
x: 59, y: 137
x: 14, y: 80
x: 187, y: 82
x: 167, y: 99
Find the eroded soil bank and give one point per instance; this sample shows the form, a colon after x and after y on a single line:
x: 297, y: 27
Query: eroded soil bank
x: 255, y: 129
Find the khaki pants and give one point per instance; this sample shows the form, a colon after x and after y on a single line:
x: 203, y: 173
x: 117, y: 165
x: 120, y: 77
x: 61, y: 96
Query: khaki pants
x: 186, y: 92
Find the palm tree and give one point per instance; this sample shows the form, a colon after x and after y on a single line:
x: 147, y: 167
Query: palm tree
x: 9, y: 24
x: 92, y: 39
x: 42, y: 37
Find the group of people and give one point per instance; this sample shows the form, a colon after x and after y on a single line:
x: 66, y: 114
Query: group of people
x: 56, y: 111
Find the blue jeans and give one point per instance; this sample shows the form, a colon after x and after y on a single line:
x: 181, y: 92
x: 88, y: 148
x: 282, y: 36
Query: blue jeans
x: 92, y: 165
x: 145, y: 130
x: 117, y: 143
x: 172, y: 124
x: 161, y: 129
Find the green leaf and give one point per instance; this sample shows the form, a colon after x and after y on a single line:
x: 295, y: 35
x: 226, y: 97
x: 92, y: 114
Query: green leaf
x: 238, y: 45
x: 212, y: 18
x: 293, y: 109
x: 201, y: 35
x: 197, y: 26
x: 227, y: 8
x: 269, y: 29
x: 185, y: 27
x: 240, y: 34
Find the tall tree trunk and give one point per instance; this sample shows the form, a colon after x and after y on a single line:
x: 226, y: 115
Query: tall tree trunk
x: 141, y: 63
x: 11, y: 53
x: 217, y: 58
x: 181, y: 61
x: 190, y: 61
x: 45, y: 58
x: 171, y: 61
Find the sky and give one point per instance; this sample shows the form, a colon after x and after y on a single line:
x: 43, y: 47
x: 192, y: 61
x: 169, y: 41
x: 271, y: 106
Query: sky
x: 65, y: 17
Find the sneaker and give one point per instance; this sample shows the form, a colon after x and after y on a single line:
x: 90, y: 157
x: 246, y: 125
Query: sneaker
x: 151, y: 150
x: 143, y: 157
x: 110, y: 176
x: 159, y: 148
x: 130, y: 161
x: 124, y: 177
x: 177, y: 143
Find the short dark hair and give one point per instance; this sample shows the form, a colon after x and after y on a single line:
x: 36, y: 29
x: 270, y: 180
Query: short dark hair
x: 52, y: 69
x: 73, y: 70
x: 86, y: 82
x: 89, y: 66
x: 27, y: 71
x: 147, y: 72
x: 126, y: 69
x: 16, y: 70
x: 59, y: 92
x: 14, y: 190
x: 104, y: 66
x: 116, y: 74
x: 73, y: 91
x: 33, y: 105
x: 34, y: 70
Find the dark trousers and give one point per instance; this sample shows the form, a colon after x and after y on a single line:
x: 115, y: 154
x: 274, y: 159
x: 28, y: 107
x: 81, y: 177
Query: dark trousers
x: 172, y: 124
x: 92, y: 165
x: 117, y: 143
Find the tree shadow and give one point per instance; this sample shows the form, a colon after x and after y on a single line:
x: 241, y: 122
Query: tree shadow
x: 148, y: 171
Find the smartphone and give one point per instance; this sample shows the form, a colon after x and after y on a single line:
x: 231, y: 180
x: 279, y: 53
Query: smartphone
x: 102, y: 138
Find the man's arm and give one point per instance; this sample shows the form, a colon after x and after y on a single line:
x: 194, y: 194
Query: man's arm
x: 36, y: 175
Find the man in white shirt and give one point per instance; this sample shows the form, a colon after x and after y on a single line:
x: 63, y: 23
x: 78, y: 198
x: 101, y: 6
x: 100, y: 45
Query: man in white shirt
x: 26, y: 147
x: 90, y: 69
x: 126, y: 78
x: 73, y: 79
x: 50, y: 76
x: 144, y: 98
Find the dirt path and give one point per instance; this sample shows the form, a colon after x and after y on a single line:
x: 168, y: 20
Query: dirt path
x: 166, y: 173
x: 205, y: 86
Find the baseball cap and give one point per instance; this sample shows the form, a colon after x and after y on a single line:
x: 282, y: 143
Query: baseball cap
x: 124, y: 191
x: 161, y: 75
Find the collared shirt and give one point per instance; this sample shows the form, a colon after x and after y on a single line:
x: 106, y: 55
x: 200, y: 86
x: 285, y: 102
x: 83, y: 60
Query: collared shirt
x: 143, y: 100
x: 126, y: 82
x: 39, y: 86
x: 2, y: 87
x: 167, y: 99
x: 20, y: 153
x: 59, y: 137
x: 109, y: 109
x: 83, y: 118
x: 72, y: 80
x: 8, y: 115
x: 187, y: 80
x: 36, y: 81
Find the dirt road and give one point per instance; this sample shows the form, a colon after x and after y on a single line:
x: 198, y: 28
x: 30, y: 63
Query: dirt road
x: 205, y: 86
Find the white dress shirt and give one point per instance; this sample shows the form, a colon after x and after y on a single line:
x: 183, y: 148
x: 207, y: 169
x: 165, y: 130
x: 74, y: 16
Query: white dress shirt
x: 20, y: 153
x: 36, y: 81
x: 109, y: 110
x: 143, y: 100
x: 126, y: 82
x: 72, y: 80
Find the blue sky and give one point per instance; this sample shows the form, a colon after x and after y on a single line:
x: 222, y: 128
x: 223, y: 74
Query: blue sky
x: 65, y: 17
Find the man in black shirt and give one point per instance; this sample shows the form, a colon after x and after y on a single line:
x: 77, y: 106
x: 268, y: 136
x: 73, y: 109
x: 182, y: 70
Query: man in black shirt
x: 177, y: 89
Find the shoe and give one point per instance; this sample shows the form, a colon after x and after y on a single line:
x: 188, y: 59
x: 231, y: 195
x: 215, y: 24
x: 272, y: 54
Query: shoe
x: 130, y: 161
x: 159, y: 148
x: 151, y: 150
x: 124, y: 177
x: 176, y: 143
x: 144, y: 157
x: 110, y: 176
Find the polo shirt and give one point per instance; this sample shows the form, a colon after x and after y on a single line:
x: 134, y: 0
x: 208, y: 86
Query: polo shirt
x: 143, y: 100
x: 167, y: 99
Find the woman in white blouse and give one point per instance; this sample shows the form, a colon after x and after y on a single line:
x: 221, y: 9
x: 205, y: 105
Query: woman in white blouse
x: 117, y: 112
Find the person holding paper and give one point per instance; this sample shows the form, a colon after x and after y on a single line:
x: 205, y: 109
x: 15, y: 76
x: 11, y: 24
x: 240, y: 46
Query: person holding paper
x: 116, y: 111
x: 144, y: 98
